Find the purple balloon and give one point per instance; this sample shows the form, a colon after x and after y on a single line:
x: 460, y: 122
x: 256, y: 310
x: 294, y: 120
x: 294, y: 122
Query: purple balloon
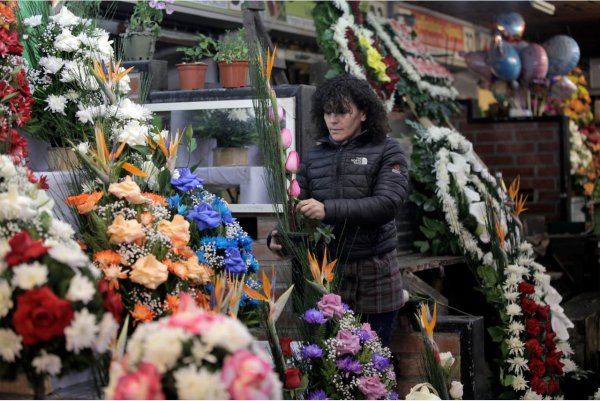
x: 477, y: 62
x: 563, y: 88
x: 534, y: 62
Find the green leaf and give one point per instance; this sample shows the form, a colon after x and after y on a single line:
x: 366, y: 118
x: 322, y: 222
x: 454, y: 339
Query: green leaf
x: 422, y: 245
x: 488, y: 275
x: 496, y: 333
x: 164, y: 179
x: 429, y: 233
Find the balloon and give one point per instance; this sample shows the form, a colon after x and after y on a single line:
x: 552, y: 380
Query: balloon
x: 534, y: 62
x: 520, y: 45
x: 563, y: 88
x: 563, y: 54
x: 500, y: 90
x: 505, y: 61
x: 477, y: 62
x: 510, y: 25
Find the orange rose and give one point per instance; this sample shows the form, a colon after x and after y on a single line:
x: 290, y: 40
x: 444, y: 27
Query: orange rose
x: 197, y: 271
x: 129, y: 190
x: 177, y: 268
x: 146, y: 218
x: 84, y: 203
x: 149, y: 272
x: 122, y: 230
x: 178, y: 230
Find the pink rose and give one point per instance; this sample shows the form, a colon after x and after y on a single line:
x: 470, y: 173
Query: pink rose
x: 331, y: 305
x: 248, y: 377
x: 144, y: 384
x: 367, y: 327
x: 371, y: 387
x: 349, y: 343
x: 190, y: 318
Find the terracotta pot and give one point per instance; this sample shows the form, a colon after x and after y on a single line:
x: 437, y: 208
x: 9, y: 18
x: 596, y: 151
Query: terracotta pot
x: 230, y: 157
x: 191, y: 75
x: 61, y: 159
x: 234, y: 74
x: 138, y: 46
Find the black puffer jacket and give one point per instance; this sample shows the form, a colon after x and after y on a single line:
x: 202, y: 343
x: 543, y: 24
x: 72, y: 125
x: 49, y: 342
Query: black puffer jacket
x: 362, y: 185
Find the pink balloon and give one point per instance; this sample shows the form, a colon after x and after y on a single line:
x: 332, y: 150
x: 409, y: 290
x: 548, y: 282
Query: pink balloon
x: 477, y: 62
x: 563, y: 88
x: 534, y: 62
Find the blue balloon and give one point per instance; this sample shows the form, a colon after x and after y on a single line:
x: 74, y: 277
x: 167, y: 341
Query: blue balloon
x: 510, y: 25
x: 563, y: 54
x: 505, y: 62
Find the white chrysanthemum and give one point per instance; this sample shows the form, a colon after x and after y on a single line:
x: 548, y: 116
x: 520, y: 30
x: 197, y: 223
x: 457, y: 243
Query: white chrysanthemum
x: 127, y: 110
x: 513, y: 310
x: 10, y: 345
x: 70, y: 254
x: 568, y: 365
x: 515, y: 346
x: 194, y: 384
x: 73, y: 72
x: 72, y: 95
x: 32, y: 21
x: 6, y: 302
x: 61, y: 230
x: 65, y: 17
x: 82, y: 331
x: 565, y: 348
x: 51, y: 64
x: 80, y: 289
x: 133, y: 133
x: 66, y: 42
x: 519, y: 383
x: 124, y: 84
x: 229, y: 334
x: 511, y: 296
x: 532, y: 395
x: 163, y: 347
x: 512, y: 280
x: 28, y: 276
x: 56, y: 104
x: 47, y: 363
x: 516, y: 328
x: 517, y: 365
x: 203, y: 352
x: 107, y: 330
x: 7, y: 168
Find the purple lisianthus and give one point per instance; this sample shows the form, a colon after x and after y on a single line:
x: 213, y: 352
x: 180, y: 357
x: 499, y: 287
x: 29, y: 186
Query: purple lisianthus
x: 314, y: 316
x: 393, y: 395
x: 204, y: 216
x: 316, y: 395
x: 186, y: 181
x: 380, y: 362
x: 331, y: 306
x: 312, y: 351
x: 371, y: 387
x: 363, y: 335
x: 234, y: 262
x: 348, y: 343
x: 349, y: 364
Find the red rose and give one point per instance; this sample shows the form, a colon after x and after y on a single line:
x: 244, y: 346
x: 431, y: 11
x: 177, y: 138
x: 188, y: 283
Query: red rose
x: 24, y: 249
x: 549, y: 341
x: 538, y: 385
x: 528, y: 306
x: 544, y: 312
x: 526, y: 288
x: 41, y: 315
x: 553, y: 386
x: 534, y: 347
x: 553, y: 362
x: 112, y: 300
x: 286, y: 346
x: 533, y: 327
x: 292, y: 378
x: 536, y: 367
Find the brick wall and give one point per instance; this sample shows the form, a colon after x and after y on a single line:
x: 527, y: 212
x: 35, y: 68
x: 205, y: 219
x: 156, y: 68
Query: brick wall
x: 530, y: 149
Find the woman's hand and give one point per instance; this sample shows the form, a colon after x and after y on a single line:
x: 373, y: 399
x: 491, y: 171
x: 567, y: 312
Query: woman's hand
x: 311, y: 208
x: 274, y: 244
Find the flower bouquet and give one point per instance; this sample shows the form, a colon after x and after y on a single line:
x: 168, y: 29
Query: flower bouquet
x: 52, y: 319
x: 193, y: 354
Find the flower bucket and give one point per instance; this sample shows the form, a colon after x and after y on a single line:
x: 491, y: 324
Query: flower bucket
x: 61, y: 159
x: 138, y: 46
x: 230, y: 157
x: 234, y: 74
x: 191, y: 75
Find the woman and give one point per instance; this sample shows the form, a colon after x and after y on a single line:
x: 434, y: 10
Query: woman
x: 355, y: 179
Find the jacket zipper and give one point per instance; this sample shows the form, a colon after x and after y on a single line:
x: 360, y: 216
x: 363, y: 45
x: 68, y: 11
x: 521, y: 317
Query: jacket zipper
x: 338, y: 173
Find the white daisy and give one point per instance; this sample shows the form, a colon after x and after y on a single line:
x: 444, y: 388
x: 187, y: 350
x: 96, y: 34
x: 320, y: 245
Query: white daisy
x: 10, y: 345
x: 80, y: 289
x: 47, y: 363
x: 28, y: 276
x: 82, y: 331
x: 6, y: 302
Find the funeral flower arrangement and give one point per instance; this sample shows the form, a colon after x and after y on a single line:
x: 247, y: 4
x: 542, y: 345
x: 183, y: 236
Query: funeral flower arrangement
x: 472, y: 211
x: 193, y: 354
x: 52, y: 318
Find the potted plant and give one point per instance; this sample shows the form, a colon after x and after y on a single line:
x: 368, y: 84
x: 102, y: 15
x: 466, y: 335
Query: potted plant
x: 233, y: 59
x: 192, y: 71
x: 144, y: 27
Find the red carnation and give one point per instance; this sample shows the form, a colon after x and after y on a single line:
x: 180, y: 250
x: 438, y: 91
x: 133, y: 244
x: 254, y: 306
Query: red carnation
x: 549, y: 341
x: 528, y: 306
x: 534, y: 347
x: 286, y: 346
x: 23, y: 249
x: 533, y: 327
x: 112, y: 300
x: 553, y: 386
x: 553, y: 362
x: 526, y: 288
x: 538, y: 385
x: 536, y: 367
x: 41, y: 315
x: 9, y: 43
x: 292, y: 378
x: 544, y: 312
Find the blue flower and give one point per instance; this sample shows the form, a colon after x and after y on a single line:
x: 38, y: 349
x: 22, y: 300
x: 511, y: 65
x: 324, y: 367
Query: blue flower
x: 234, y: 262
x: 312, y: 351
x: 316, y: 395
x: 225, y: 211
x: 393, y: 395
x: 349, y: 365
x: 381, y: 362
x: 363, y: 335
x: 314, y: 316
x: 186, y: 181
x: 205, y: 216
x: 175, y: 203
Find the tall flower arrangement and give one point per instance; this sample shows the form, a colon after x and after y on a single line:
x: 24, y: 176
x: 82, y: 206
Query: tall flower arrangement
x: 530, y: 326
x: 52, y: 318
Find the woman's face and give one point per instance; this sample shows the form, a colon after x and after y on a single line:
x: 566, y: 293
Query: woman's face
x: 344, y: 126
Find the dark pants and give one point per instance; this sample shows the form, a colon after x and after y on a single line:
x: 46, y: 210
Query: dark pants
x: 383, y: 324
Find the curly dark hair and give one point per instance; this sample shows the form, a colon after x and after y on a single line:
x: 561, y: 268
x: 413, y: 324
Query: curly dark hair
x: 334, y: 95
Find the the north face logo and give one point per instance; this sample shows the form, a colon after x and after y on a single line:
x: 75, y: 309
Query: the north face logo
x: 359, y: 160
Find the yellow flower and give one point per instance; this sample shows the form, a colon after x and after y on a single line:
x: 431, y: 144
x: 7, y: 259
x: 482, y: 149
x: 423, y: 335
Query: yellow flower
x: 149, y: 272
x: 374, y: 60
